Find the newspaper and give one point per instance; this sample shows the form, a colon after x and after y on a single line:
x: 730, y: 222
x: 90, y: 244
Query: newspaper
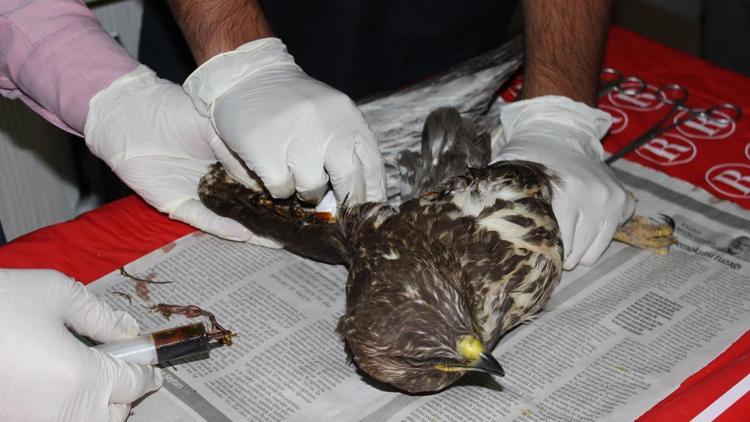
x: 614, y: 340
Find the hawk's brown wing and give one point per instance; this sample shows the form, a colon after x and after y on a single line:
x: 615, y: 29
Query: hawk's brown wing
x: 288, y: 221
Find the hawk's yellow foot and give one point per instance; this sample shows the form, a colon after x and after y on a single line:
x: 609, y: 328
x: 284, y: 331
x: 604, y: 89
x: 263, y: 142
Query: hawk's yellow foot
x: 648, y: 233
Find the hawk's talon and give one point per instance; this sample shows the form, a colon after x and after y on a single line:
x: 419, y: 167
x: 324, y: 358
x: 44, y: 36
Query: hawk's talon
x: 668, y: 220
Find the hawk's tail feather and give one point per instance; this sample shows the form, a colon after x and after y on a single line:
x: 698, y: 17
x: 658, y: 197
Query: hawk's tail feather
x: 450, y: 144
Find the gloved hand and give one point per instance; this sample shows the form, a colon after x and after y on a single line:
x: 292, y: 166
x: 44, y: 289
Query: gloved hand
x: 292, y: 131
x: 46, y: 374
x: 564, y: 135
x: 147, y: 130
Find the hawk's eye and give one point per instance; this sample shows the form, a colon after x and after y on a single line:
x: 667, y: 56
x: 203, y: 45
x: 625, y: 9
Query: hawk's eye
x: 417, y: 362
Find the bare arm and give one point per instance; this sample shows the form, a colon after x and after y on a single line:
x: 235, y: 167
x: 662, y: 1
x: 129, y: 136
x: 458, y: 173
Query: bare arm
x: 213, y: 27
x: 564, y: 47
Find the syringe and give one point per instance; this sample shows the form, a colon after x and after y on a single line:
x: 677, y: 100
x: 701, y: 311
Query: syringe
x: 163, y: 346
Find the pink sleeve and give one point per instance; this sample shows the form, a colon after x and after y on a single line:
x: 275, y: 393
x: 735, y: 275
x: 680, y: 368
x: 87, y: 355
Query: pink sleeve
x: 55, y: 56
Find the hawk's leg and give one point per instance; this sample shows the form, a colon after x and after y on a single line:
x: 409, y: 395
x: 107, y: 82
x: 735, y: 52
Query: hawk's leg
x: 647, y: 233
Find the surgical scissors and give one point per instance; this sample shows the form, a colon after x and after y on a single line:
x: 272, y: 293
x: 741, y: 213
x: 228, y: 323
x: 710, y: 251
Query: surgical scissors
x: 612, y: 79
x: 676, y: 96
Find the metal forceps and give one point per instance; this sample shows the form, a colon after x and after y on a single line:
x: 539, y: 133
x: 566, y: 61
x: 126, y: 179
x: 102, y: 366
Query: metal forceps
x: 676, y: 95
x: 612, y: 79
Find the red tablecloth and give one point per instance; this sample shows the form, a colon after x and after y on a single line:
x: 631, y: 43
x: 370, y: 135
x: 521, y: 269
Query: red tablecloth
x: 714, y: 155
x: 715, y: 158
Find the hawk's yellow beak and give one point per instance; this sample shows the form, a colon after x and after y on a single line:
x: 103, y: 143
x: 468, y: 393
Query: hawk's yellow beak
x: 472, y: 351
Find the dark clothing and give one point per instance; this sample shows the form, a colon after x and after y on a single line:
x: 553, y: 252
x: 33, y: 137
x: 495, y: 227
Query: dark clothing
x: 357, y: 46
x: 161, y: 46
x: 726, y: 32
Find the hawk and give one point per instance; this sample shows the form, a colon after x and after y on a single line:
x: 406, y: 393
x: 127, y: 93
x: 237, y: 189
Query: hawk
x: 435, y: 283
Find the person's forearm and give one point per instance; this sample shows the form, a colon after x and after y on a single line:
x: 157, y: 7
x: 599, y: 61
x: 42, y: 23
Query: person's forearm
x: 565, y: 42
x: 55, y: 56
x: 213, y: 27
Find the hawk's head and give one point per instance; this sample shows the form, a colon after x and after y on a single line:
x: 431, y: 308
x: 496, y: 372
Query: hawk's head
x: 416, y: 333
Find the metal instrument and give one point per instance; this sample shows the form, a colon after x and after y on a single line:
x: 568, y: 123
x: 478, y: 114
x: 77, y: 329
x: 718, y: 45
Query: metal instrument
x: 612, y: 79
x: 676, y: 95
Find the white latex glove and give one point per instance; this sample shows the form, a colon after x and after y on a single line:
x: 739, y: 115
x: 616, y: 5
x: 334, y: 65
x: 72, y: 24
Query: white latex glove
x: 46, y: 374
x: 564, y: 135
x: 292, y: 131
x: 147, y: 130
